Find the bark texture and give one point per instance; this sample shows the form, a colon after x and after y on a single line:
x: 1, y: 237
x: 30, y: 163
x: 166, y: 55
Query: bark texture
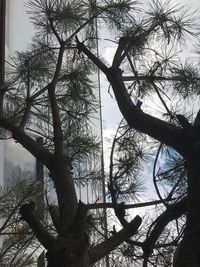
x: 188, y: 254
x: 184, y: 138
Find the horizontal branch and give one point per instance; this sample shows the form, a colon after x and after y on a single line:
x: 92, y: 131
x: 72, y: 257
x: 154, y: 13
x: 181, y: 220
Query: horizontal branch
x: 125, y: 206
x: 150, y: 78
x: 103, y: 249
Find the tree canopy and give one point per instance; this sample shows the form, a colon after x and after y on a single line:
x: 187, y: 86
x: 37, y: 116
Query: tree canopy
x: 49, y: 90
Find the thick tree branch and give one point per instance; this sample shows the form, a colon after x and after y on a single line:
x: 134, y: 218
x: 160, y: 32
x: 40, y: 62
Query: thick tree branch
x: 162, y: 131
x: 26, y: 141
x: 28, y: 103
x: 171, y: 213
x: 81, y: 47
x: 28, y: 214
x: 135, y: 41
x: 103, y: 249
x: 126, y: 206
x: 60, y: 172
x: 117, y: 57
x: 197, y: 119
x: 60, y: 166
x: 57, y: 125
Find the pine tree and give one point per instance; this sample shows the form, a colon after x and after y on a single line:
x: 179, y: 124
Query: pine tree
x: 148, y: 62
x: 48, y: 90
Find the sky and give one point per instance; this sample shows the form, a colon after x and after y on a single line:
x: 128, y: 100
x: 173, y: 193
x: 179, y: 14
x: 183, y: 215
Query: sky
x: 19, y: 29
x: 107, y: 50
x: 110, y: 113
x: 24, y: 32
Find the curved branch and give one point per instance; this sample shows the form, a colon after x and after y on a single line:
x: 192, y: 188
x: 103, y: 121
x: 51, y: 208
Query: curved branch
x: 60, y: 166
x: 171, y: 213
x: 162, y: 131
x: 135, y: 41
x: 28, y: 214
x: 26, y: 141
x: 118, y: 208
x: 154, y: 176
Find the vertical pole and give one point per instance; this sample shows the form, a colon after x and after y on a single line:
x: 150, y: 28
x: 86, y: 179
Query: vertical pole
x: 2, y: 39
x: 102, y: 156
x: 2, y: 68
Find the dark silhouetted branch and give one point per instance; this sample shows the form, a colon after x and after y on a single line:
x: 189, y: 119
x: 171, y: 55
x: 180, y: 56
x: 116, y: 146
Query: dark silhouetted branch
x: 171, y: 213
x: 103, y: 249
x: 29, y: 215
x: 26, y: 141
x: 126, y: 206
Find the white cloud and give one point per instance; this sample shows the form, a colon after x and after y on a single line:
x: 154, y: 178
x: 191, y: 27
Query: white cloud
x: 108, y: 53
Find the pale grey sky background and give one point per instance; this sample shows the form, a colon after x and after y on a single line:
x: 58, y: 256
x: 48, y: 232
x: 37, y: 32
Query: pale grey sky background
x: 107, y: 50
x: 110, y: 112
x: 21, y: 35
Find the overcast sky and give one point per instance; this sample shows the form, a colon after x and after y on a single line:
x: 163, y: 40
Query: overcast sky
x: 21, y: 35
x: 24, y: 29
x: 111, y: 114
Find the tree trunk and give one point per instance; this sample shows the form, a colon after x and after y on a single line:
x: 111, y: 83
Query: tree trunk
x: 189, y: 251
x: 72, y: 253
x: 71, y: 246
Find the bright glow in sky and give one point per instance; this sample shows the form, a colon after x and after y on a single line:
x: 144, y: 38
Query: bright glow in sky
x: 110, y: 112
